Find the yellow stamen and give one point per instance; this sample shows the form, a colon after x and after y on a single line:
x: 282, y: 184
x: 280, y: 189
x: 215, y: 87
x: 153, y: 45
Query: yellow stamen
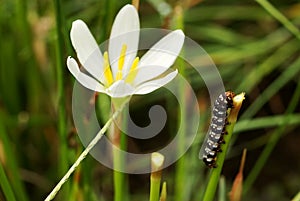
x: 133, y: 70
x: 107, y: 71
x: 119, y: 75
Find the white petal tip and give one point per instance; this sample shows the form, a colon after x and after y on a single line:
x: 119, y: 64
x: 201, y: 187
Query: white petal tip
x: 179, y: 35
x: 179, y: 31
x: 78, y: 22
x: 73, y: 66
x: 77, y: 26
x: 70, y: 60
x: 128, y: 7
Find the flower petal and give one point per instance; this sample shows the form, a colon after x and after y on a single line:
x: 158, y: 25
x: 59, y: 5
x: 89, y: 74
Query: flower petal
x: 150, y: 86
x: 146, y: 72
x: 125, y: 31
x: 82, y: 78
x: 87, y: 49
x: 120, y: 89
x: 161, y: 56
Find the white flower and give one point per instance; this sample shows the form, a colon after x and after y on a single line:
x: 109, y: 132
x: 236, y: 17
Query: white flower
x: 119, y: 72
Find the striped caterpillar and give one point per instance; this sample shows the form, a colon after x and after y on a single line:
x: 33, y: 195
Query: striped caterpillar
x: 215, y: 136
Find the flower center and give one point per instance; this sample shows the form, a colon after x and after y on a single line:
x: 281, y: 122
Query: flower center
x: 119, y: 76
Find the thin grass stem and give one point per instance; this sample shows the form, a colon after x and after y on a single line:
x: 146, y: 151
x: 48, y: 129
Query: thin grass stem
x: 275, y: 136
x: 12, y: 164
x: 297, y: 197
x: 267, y: 122
x: 60, y: 65
x: 163, y: 194
x: 5, y: 185
x: 270, y: 64
x: 222, y: 189
x: 274, y: 87
x: 28, y: 60
x: 83, y: 155
x: 280, y: 17
x: 181, y: 167
x: 216, y: 172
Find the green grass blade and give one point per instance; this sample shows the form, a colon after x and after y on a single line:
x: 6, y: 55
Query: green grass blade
x: 272, y: 89
x: 82, y: 156
x: 216, y: 172
x: 216, y: 34
x: 12, y: 165
x: 5, y: 185
x: 297, y: 197
x: 60, y: 66
x: 225, y: 12
x: 269, y: 64
x: 222, y: 189
x: 267, y: 122
x: 280, y: 17
x: 261, y: 161
x: 231, y: 55
x: 181, y: 164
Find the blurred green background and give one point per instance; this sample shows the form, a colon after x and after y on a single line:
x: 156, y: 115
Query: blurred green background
x: 253, y: 51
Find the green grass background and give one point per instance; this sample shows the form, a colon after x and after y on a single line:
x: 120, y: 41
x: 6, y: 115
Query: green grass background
x: 254, y: 53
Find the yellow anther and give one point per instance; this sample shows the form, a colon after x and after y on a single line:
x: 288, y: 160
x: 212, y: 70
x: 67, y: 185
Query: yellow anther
x: 134, y: 64
x: 121, y: 62
x: 119, y: 75
x: 107, y: 71
x: 133, y: 70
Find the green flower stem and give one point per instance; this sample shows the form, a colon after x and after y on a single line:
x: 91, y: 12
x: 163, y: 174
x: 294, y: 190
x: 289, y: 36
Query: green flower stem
x: 216, y: 172
x: 115, y: 136
x: 157, y: 161
x: 119, y: 140
x: 280, y: 17
x: 83, y: 154
x: 120, y: 188
x: 118, y: 178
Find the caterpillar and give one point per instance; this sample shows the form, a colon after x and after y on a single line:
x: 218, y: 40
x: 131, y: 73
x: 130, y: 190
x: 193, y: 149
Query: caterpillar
x: 217, y: 129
